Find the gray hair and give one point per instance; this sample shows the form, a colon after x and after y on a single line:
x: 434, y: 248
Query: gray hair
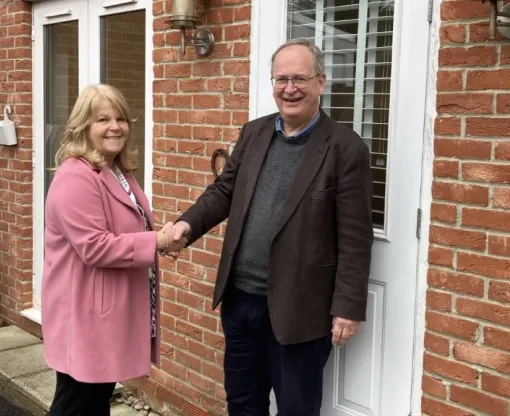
x: 318, y: 56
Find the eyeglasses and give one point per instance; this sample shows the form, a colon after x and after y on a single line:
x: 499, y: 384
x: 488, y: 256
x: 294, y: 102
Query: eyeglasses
x: 298, y: 82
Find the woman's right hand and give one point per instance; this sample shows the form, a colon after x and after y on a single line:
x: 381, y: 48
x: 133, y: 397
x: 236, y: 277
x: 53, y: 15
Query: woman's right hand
x: 164, y: 237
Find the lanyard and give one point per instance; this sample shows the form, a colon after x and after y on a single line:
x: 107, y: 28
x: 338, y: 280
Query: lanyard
x: 122, y: 180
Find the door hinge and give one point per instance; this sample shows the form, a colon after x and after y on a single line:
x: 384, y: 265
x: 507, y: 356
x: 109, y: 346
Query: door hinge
x: 418, y: 224
x: 33, y: 33
x: 430, y: 10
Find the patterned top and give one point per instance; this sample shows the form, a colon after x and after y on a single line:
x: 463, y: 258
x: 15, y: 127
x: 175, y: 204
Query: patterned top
x: 152, y: 275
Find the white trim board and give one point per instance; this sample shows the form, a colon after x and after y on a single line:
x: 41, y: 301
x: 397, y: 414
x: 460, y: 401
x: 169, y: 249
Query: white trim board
x: 425, y: 203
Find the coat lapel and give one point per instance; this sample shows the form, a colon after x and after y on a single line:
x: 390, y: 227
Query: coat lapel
x: 312, y: 160
x: 257, y: 157
x: 115, y: 188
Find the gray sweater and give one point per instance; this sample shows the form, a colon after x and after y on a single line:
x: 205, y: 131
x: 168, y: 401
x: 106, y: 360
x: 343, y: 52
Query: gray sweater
x: 251, y: 263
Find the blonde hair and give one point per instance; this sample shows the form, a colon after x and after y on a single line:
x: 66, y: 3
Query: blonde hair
x: 76, y: 142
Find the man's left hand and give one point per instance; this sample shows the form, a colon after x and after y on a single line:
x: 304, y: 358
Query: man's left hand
x: 343, y: 330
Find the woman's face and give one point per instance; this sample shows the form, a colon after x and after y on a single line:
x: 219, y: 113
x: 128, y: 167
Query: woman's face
x: 109, y: 131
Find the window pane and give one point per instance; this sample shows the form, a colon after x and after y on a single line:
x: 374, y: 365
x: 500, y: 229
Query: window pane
x: 123, y: 66
x: 60, y: 87
x: 356, y: 37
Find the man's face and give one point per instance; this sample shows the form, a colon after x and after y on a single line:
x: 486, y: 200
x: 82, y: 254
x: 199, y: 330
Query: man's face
x: 297, y: 104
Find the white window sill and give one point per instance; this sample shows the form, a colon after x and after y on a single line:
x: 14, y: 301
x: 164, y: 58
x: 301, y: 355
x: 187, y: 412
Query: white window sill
x: 33, y: 314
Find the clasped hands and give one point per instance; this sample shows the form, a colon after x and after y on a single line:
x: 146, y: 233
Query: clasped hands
x: 172, y: 238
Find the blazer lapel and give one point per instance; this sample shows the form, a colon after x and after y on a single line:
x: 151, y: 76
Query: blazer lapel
x: 257, y: 157
x: 312, y: 160
x: 115, y: 188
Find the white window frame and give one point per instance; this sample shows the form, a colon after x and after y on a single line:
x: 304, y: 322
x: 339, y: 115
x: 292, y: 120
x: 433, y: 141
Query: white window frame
x: 88, y: 13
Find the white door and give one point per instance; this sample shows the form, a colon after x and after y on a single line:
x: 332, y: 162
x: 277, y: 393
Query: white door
x: 376, y: 61
x: 77, y: 43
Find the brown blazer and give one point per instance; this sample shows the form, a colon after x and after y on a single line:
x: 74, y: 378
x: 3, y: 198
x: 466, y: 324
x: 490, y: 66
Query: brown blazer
x: 320, y: 256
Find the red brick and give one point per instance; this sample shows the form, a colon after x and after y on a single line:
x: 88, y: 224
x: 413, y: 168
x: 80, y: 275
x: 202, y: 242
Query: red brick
x: 502, y: 151
x: 437, y: 344
x: 488, y: 127
x: 464, y: 103
x: 206, y: 259
x: 483, y: 310
x: 448, y: 324
x: 495, y: 220
x: 457, y: 237
x: 440, y: 256
x: 462, y: 149
x: 483, y: 356
x: 206, y: 101
x: 456, y: 282
x: 433, y: 407
x: 488, y: 79
x: 236, y: 32
x: 452, y: 34
x: 472, y: 56
x: 450, y: 369
x: 206, y: 68
x: 192, y: 410
x: 443, y: 212
x: 480, y: 32
x: 455, y: 192
x: 242, y: 13
x: 219, y: 84
x: 223, y: 15
x: 236, y: 101
x: 463, y: 9
x: 447, y: 126
x: 504, y: 57
x: 449, y: 80
x: 241, y: 49
x: 433, y: 386
x: 236, y: 68
x: 499, y: 291
x: 446, y: 168
x: 496, y: 338
x: 496, y: 384
x: 439, y: 301
x: 479, y: 401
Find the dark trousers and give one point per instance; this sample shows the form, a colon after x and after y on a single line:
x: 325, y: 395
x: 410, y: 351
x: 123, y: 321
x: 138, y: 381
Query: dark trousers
x: 255, y: 362
x: 74, y: 398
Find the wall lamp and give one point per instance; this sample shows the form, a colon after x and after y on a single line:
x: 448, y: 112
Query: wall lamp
x: 499, y: 18
x: 185, y: 17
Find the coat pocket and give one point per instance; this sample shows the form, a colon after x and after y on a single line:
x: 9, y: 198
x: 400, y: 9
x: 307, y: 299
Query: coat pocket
x: 323, y: 193
x: 103, y: 292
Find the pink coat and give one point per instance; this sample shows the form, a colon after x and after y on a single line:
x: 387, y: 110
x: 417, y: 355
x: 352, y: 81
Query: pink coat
x: 95, y: 288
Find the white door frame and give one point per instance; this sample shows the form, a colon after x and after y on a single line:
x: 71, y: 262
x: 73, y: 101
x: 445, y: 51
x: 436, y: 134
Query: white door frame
x: 264, y: 42
x: 88, y: 13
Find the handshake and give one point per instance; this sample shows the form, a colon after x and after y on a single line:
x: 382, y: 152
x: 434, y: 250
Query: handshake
x: 172, y: 238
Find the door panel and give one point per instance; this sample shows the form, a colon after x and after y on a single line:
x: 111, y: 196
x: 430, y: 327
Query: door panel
x: 375, y: 50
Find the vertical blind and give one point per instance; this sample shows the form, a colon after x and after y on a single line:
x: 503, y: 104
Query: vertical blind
x: 356, y: 37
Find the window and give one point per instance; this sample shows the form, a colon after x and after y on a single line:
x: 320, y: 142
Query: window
x: 356, y: 37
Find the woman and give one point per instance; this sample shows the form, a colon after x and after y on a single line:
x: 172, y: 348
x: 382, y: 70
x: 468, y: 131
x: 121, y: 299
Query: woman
x: 100, y: 288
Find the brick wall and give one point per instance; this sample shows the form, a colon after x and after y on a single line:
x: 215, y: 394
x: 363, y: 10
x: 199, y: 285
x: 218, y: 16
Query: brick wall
x: 467, y: 358
x: 199, y: 106
x: 16, y: 163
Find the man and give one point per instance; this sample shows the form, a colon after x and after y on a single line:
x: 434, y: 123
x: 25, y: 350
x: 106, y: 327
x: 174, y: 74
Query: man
x: 294, y: 269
